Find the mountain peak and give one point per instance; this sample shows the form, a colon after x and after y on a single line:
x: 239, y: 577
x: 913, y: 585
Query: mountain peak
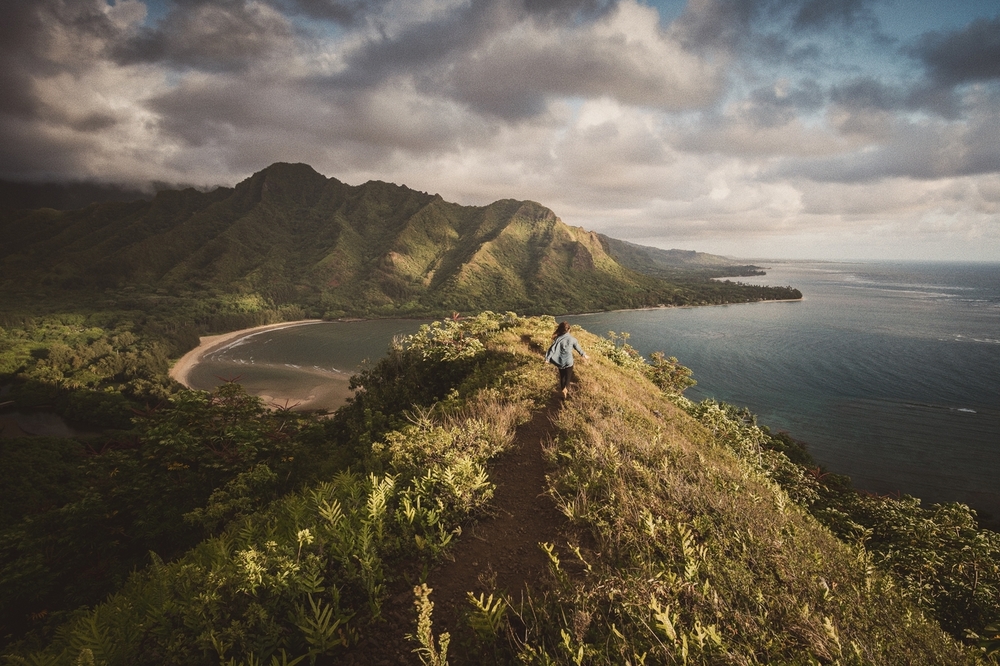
x: 283, y: 183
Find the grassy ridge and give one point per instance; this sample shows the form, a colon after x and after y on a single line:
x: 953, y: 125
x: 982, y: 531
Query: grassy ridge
x: 702, y: 554
x: 688, y: 535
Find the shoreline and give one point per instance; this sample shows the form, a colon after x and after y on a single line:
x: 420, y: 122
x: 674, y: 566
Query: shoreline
x: 180, y: 370
x: 331, y: 397
x: 682, y: 307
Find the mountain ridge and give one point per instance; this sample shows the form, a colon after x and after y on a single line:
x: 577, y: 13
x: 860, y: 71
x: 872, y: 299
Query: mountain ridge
x: 293, y: 236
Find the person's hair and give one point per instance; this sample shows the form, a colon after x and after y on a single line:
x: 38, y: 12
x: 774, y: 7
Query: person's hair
x: 561, y: 329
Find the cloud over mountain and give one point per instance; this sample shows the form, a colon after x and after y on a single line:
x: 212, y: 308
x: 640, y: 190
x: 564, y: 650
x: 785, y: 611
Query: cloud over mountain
x: 660, y: 118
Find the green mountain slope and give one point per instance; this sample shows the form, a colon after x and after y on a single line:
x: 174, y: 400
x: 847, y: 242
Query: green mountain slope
x: 288, y: 235
x: 674, y: 264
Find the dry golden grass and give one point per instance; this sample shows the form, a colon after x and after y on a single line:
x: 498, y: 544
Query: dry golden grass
x: 695, y: 556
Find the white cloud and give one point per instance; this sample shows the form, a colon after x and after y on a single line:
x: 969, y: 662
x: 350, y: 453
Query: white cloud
x: 704, y: 131
x: 624, y: 56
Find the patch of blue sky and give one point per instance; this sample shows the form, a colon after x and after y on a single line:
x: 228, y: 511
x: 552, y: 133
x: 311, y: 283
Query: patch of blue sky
x: 840, y: 59
x: 316, y: 29
x: 830, y: 59
x: 574, y: 103
x: 668, y: 9
x: 156, y: 10
x: 174, y: 78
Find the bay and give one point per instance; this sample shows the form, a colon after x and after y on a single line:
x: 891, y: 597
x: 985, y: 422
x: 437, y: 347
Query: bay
x: 306, y: 366
x: 890, y: 372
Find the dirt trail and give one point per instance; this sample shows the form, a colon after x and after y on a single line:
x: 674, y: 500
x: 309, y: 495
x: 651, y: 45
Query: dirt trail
x: 502, y: 553
x: 498, y: 553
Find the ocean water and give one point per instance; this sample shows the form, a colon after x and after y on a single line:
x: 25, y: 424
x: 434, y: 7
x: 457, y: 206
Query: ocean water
x: 292, y: 364
x: 890, y: 372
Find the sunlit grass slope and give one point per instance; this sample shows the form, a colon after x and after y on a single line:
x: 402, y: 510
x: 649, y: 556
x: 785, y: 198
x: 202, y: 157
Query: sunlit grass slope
x: 696, y: 554
x: 680, y: 544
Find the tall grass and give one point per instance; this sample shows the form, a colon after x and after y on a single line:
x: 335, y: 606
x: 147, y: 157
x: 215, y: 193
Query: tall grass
x: 684, y: 552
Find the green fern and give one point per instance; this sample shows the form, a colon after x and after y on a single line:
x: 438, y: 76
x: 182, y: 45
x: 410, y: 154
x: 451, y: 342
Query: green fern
x: 488, y: 615
x: 321, y: 626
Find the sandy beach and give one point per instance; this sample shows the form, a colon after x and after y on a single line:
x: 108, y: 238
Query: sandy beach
x: 330, y: 391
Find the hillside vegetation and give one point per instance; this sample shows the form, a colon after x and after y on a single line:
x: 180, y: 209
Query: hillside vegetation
x: 685, y: 533
x: 673, y: 264
x: 454, y: 511
x: 290, y: 242
x: 98, y: 299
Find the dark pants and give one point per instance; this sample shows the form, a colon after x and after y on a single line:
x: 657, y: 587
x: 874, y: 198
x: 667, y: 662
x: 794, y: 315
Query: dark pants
x: 565, y: 377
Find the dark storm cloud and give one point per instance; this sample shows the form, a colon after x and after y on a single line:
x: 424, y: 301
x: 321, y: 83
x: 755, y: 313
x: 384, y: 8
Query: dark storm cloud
x: 948, y: 60
x: 444, y: 39
x: 233, y: 115
x: 26, y: 153
x: 17, y: 99
x: 420, y: 46
x: 210, y: 35
x: 767, y: 27
x: 937, y: 99
x: 963, y: 56
x: 25, y: 32
x: 570, y: 9
x: 29, y: 33
x: 19, y: 57
x: 722, y: 24
x: 864, y: 96
x: 348, y: 12
x: 479, y: 55
x: 869, y: 93
x: 345, y: 12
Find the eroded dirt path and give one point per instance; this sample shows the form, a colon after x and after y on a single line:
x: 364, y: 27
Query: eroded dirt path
x: 499, y: 553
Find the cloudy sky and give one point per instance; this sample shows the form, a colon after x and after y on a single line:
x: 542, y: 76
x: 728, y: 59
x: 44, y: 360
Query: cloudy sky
x: 753, y: 128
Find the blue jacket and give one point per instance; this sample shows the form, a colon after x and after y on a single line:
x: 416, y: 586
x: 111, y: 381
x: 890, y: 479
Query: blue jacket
x: 561, y: 351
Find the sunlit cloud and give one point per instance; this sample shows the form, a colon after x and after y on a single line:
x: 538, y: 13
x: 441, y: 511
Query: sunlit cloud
x: 775, y: 127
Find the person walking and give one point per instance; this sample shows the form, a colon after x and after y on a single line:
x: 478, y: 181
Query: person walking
x: 560, y: 354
